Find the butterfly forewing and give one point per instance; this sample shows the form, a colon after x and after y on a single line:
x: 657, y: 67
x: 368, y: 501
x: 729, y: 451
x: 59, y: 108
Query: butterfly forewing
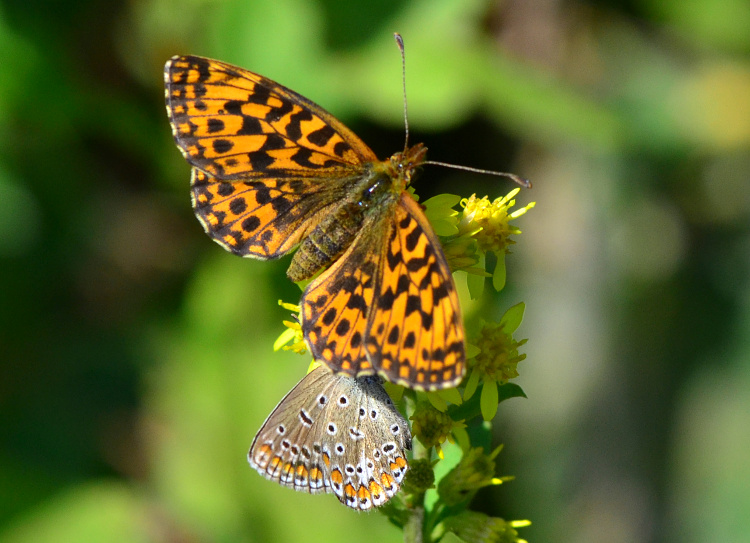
x: 389, y: 305
x: 337, y: 434
x: 416, y: 334
x: 234, y: 124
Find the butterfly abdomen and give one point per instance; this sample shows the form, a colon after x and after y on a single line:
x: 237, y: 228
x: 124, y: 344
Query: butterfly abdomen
x: 335, y: 232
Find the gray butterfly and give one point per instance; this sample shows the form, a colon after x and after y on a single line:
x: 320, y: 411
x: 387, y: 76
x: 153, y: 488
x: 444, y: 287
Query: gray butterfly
x: 333, y: 433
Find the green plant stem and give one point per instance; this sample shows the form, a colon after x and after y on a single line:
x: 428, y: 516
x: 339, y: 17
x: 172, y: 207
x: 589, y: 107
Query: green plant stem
x: 415, y: 525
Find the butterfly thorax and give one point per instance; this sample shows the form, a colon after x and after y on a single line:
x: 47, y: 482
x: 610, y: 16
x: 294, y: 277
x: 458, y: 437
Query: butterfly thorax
x: 374, y: 192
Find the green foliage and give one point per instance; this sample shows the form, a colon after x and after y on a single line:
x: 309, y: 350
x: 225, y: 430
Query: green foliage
x: 135, y: 356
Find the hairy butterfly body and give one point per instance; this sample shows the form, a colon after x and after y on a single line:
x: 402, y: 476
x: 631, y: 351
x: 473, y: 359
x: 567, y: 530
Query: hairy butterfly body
x: 337, y: 434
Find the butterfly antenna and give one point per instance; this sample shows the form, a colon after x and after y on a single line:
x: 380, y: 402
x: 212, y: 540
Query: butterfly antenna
x: 525, y: 183
x: 513, y: 177
x: 400, y: 43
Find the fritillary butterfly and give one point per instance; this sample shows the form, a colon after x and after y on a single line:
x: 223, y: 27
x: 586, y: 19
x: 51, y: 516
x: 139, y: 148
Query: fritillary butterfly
x: 273, y: 171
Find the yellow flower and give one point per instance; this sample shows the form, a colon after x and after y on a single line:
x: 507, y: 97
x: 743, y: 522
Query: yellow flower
x: 489, y: 223
x: 497, y: 360
x: 292, y: 338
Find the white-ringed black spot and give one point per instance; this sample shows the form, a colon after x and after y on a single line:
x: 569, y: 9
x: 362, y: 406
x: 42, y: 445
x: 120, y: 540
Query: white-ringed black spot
x: 349, y: 469
x: 374, y: 414
x: 281, y: 430
x: 322, y: 400
x: 343, y: 400
x: 339, y: 448
x: 305, y: 418
x: 395, y: 429
x: 285, y: 443
x: 331, y: 428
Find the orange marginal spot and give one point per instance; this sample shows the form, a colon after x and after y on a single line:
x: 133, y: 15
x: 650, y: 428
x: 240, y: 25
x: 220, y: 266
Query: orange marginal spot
x: 376, y: 490
x: 274, y: 463
x: 389, y: 482
x: 229, y: 240
x: 301, y: 471
x: 327, y: 460
x: 350, y: 491
x: 363, y: 493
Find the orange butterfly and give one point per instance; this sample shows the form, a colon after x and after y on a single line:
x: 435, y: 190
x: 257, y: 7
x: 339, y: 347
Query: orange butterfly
x: 273, y: 171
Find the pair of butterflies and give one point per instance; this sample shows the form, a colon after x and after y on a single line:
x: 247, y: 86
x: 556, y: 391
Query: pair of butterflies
x: 272, y: 171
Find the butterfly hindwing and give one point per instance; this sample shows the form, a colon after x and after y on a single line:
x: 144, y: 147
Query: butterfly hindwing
x: 337, y: 434
x: 262, y: 219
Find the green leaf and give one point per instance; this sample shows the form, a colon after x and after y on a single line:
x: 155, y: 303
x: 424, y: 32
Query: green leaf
x: 476, y: 282
x: 471, y: 385
x: 442, y: 216
x: 488, y: 402
x: 512, y: 318
x: 498, y: 276
x: 450, y: 537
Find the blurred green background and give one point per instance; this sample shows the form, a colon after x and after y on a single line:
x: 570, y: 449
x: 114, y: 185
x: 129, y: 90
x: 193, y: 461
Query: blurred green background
x: 136, y: 355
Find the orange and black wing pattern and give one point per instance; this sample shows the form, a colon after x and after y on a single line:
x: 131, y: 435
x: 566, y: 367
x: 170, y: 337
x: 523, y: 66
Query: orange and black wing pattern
x: 268, y: 162
x: 389, y: 305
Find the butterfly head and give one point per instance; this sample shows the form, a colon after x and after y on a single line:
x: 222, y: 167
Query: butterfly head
x: 403, y: 165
